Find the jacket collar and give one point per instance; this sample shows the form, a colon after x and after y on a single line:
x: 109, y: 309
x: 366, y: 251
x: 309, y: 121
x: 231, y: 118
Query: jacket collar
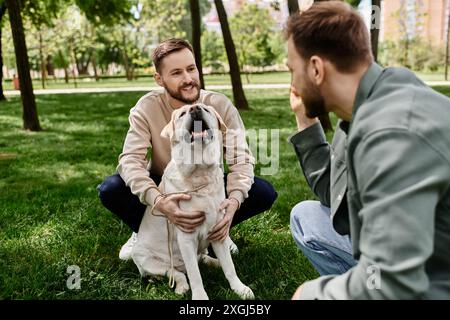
x: 365, y: 86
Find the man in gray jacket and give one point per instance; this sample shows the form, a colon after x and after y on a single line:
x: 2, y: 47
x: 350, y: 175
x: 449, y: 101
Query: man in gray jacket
x: 382, y: 227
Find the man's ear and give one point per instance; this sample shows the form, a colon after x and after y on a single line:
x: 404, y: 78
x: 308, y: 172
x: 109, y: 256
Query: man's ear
x: 317, y: 70
x: 158, y: 79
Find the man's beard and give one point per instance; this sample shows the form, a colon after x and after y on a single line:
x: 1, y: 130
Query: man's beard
x: 178, y: 94
x: 313, y: 101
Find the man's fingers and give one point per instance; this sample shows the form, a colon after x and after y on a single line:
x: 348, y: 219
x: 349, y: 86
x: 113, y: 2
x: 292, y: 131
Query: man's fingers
x: 219, y: 236
x: 190, y: 214
x: 218, y: 230
x: 224, y: 204
x: 184, y: 229
x: 191, y: 222
x: 219, y: 226
x: 178, y: 197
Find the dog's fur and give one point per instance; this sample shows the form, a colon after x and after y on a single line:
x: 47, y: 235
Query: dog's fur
x: 196, y: 161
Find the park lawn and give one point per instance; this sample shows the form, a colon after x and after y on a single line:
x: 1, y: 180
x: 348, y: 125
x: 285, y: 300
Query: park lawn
x: 210, y: 79
x: 51, y: 216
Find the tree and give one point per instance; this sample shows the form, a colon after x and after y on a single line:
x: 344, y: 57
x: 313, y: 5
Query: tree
x: 240, y: 100
x: 257, y: 43
x: 292, y: 6
x: 375, y: 30
x: 2, y: 13
x: 30, y: 115
x: 447, y: 43
x: 196, y: 37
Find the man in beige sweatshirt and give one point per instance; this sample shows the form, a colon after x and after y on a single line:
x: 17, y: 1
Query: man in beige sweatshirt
x: 135, y: 186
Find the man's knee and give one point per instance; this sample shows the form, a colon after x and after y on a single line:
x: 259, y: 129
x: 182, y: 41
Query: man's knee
x: 110, y: 188
x: 264, y: 192
x: 303, y: 219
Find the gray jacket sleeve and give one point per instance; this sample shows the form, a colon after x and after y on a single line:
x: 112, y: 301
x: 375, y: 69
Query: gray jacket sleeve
x: 313, y: 152
x: 400, y: 178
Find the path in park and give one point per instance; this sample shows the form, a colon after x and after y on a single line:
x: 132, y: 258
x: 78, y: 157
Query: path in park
x: 145, y: 89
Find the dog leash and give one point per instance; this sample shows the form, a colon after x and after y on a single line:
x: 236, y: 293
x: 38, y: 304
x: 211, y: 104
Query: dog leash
x: 170, y: 230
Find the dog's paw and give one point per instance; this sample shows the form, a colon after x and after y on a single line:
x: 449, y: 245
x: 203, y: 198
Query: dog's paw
x: 182, y: 288
x: 245, y: 293
x: 210, y: 262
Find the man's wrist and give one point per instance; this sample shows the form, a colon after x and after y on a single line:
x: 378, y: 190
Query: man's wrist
x: 236, y: 200
x: 151, y: 195
x: 304, y: 122
x: 157, y: 199
x: 238, y: 196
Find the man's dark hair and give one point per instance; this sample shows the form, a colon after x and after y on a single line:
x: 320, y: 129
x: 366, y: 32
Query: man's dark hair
x: 332, y: 30
x: 167, y: 47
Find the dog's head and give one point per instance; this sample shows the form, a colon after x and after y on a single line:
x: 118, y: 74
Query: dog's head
x: 195, y: 134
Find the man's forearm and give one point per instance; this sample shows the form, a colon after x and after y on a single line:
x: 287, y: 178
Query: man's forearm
x: 313, y: 153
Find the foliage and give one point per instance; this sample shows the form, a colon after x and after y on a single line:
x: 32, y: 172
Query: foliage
x: 108, y: 12
x: 213, y: 51
x: 163, y: 19
x: 258, y: 42
x: 422, y: 55
x: 353, y: 3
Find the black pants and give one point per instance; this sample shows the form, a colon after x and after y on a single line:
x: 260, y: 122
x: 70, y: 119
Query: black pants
x: 118, y: 199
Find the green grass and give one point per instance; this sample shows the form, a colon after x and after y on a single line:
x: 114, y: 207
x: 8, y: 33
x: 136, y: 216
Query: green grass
x: 214, y: 79
x: 51, y: 217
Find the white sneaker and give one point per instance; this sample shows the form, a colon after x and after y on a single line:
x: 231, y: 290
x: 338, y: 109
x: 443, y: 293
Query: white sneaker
x: 125, y: 251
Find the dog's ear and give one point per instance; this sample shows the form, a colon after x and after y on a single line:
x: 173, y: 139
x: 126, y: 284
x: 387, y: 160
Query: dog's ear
x: 222, y: 125
x: 168, y: 131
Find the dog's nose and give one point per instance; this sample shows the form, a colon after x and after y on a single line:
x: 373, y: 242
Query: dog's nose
x: 194, y: 109
x: 196, y: 113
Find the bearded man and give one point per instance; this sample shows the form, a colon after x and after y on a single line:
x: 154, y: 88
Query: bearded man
x: 381, y: 229
x: 135, y: 186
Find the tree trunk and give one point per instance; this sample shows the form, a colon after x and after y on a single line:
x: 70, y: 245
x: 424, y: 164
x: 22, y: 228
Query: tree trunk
x: 196, y: 37
x: 30, y: 115
x: 85, y: 65
x: 375, y: 33
x: 126, y: 65
x: 73, y: 56
x: 447, y: 48
x: 2, y: 13
x: 240, y: 100
x: 41, y: 57
x: 66, y: 73
x: 292, y: 6
x: 94, y: 65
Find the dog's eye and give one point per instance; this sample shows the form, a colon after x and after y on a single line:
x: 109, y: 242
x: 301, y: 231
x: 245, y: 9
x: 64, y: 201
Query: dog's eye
x: 182, y: 114
x: 207, y: 110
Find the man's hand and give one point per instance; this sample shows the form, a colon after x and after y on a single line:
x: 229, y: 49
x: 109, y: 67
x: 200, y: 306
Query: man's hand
x: 296, y: 295
x: 220, y: 231
x: 184, y: 220
x: 298, y: 108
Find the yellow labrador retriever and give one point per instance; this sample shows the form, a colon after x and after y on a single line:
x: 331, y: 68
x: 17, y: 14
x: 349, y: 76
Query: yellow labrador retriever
x: 195, y: 133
